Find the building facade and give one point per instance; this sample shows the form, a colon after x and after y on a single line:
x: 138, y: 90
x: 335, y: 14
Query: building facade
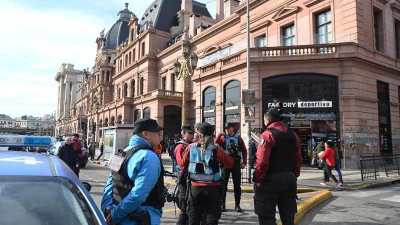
x: 6, y: 121
x: 333, y: 64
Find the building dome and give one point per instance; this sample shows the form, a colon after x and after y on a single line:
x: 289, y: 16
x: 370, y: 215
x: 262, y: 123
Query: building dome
x: 119, y: 32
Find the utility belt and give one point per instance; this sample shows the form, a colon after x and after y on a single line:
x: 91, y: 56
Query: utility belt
x: 143, y: 218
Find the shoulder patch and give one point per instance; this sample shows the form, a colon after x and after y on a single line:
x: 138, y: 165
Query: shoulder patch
x: 262, y: 141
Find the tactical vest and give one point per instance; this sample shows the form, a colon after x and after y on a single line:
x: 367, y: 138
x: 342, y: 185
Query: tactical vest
x: 176, y: 144
x: 282, y: 155
x: 232, y: 146
x: 122, y: 184
x: 203, y: 170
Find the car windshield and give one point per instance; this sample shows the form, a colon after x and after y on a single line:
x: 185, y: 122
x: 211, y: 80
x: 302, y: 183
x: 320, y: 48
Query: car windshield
x: 43, y: 200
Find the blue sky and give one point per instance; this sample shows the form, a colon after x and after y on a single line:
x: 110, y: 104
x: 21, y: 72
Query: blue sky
x: 37, y: 36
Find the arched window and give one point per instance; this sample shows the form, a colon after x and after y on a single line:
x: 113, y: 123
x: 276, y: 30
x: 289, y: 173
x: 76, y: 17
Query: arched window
x: 119, y: 121
x: 119, y: 93
x: 232, y: 91
x: 125, y: 90
x: 112, y: 123
x: 146, y: 112
x: 209, y: 97
x: 105, y: 122
x: 141, y: 86
x: 136, y: 115
x: 133, y: 89
x: 100, y: 123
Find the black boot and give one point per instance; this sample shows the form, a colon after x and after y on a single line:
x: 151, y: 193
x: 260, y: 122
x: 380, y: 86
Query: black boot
x: 237, y: 205
x: 223, y: 206
x: 237, y: 208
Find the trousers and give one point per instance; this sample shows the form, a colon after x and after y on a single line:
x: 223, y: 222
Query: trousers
x: 204, y: 200
x: 236, y: 178
x: 277, y: 189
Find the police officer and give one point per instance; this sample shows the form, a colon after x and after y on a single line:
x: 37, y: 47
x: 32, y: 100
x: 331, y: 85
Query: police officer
x: 187, y: 138
x: 135, y: 187
x: 235, y: 147
x: 277, y: 168
x: 202, y: 159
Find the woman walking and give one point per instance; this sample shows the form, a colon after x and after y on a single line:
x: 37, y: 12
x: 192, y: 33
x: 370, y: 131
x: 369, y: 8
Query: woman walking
x: 329, y: 162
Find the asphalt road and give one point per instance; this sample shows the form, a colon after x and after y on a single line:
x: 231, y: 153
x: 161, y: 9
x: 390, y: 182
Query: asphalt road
x: 363, y: 207
x: 97, y: 176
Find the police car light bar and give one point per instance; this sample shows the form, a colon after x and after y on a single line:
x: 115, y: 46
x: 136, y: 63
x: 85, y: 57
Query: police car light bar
x: 26, y: 141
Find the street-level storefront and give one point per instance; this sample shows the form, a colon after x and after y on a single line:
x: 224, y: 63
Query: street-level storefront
x: 310, y: 106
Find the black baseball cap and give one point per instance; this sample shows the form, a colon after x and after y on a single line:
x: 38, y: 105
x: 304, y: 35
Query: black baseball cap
x: 146, y: 124
x: 187, y: 129
x: 228, y: 125
x: 76, y: 135
x: 206, y: 129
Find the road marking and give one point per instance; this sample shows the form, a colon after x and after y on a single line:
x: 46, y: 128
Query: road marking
x: 395, y: 198
x: 230, y: 202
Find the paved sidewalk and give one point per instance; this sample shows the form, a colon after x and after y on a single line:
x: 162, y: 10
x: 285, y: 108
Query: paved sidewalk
x: 309, y: 190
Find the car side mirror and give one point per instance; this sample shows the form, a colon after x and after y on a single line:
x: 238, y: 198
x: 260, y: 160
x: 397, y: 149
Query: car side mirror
x: 87, y: 186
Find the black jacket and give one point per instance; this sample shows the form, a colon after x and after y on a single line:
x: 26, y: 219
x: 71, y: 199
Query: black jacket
x: 67, y: 154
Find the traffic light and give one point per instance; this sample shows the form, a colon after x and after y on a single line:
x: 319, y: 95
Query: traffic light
x: 93, y: 127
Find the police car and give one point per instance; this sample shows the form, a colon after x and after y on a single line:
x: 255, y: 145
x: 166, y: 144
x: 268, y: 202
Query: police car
x: 41, y: 189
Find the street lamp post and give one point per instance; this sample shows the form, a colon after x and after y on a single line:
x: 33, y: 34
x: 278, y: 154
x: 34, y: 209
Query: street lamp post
x: 184, y: 69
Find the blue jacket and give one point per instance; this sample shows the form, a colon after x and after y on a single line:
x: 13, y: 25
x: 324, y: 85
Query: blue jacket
x: 144, y: 168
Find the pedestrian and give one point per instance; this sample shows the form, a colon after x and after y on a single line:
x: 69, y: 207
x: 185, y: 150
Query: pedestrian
x: 187, y: 138
x: 277, y: 168
x: 101, y: 151
x: 234, y: 146
x: 78, y: 151
x: 328, y: 157
x: 202, y: 159
x: 318, y: 149
x: 196, y: 131
x: 338, y: 162
x: 253, y: 151
x: 67, y: 154
x: 134, y: 190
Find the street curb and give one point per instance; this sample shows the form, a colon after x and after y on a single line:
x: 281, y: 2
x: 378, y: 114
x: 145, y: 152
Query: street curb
x: 304, y: 207
x: 250, y: 190
x: 374, y: 185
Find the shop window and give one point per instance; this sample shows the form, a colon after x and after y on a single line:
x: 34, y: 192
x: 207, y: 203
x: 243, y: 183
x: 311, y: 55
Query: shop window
x: 146, y: 112
x: 385, y: 134
x: 378, y: 30
x: 232, y: 91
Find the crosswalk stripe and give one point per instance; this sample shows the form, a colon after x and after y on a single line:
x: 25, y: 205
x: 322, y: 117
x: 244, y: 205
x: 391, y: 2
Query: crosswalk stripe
x: 394, y: 198
x: 363, y: 194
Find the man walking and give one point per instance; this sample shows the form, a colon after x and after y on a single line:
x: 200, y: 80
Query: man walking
x: 134, y: 192
x: 234, y: 146
x: 67, y: 154
x: 277, y: 168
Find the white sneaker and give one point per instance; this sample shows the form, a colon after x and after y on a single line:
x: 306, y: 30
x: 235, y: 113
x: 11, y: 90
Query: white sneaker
x: 323, y: 183
x: 338, y: 184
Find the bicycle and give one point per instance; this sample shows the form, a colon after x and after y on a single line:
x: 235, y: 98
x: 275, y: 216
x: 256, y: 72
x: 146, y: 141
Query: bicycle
x: 171, y: 196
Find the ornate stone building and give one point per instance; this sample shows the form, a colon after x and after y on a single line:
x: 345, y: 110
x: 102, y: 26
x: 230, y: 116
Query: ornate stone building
x: 333, y: 64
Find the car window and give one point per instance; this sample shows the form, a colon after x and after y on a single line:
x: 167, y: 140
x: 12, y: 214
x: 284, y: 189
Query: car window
x: 43, y: 200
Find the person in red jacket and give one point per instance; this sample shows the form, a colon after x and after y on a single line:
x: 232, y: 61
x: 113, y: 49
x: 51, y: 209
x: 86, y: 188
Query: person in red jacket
x: 278, y: 163
x: 329, y: 162
x: 233, y: 145
x: 202, y: 159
